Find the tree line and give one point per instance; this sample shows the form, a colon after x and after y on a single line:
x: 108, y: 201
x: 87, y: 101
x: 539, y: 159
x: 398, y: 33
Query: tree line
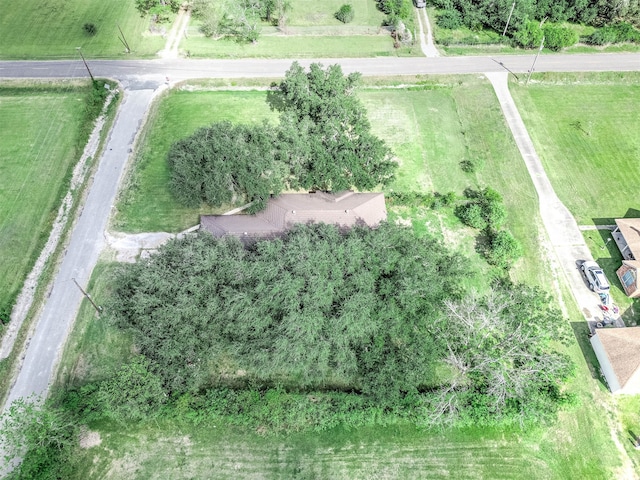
x: 526, y: 22
x: 323, y: 142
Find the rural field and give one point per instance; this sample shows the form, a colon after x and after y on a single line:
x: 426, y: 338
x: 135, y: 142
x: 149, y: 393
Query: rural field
x: 51, y: 29
x: 311, y: 31
x: 584, y: 128
x: 40, y: 142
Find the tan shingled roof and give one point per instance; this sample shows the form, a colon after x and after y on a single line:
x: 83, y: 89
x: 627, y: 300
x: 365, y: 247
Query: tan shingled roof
x: 630, y: 229
x: 344, y: 209
x: 622, y: 346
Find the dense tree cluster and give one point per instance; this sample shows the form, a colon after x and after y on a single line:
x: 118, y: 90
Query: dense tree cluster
x: 326, y: 136
x: 222, y: 163
x: 312, y: 310
x: 240, y: 19
x: 159, y: 10
x: 525, y: 27
x: 323, y: 141
x: 378, y: 315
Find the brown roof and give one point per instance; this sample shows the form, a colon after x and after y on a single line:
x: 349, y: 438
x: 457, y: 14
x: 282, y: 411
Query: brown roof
x: 622, y: 346
x: 344, y: 209
x: 630, y: 229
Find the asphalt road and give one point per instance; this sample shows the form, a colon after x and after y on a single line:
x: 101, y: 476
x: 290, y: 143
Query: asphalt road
x: 141, y: 79
x: 143, y: 73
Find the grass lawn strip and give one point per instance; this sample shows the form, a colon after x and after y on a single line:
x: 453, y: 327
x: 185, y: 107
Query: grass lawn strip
x: 38, y: 148
x: 52, y: 29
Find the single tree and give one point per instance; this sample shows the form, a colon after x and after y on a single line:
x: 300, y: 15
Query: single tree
x: 324, y: 131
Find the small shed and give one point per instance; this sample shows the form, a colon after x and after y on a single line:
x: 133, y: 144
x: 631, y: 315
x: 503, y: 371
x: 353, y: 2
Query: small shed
x: 618, y: 351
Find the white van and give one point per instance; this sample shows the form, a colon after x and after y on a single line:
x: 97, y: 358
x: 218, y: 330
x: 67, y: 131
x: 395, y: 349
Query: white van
x: 420, y: 3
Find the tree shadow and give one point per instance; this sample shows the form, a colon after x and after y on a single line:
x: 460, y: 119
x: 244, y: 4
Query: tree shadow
x: 275, y: 99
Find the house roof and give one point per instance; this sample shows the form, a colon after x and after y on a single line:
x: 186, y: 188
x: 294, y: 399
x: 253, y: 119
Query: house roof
x: 631, y: 289
x: 630, y: 229
x: 344, y: 209
x: 622, y: 346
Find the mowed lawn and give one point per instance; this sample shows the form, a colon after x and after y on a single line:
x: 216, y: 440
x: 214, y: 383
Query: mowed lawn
x: 38, y: 148
x: 586, y: 130
x: 53, y: 29
x: 577, y: 445
x: 432, y: 129
x: 292, y: 47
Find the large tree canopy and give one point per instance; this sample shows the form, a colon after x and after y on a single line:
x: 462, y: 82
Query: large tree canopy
x: 326, y: 135
x: 312, y: 310
x: 224, y: 163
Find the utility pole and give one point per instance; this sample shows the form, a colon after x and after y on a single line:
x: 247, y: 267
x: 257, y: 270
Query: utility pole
x: 98, y: 309
x: 85, y: 64
x: 534, y: 61
x: 509, y: 19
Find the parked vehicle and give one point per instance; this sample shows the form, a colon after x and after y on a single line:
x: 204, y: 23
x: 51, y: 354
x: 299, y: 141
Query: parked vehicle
x: 420, y: 3
x: 595, y: 276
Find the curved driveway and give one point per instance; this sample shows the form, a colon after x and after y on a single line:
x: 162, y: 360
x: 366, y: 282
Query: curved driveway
x: 140, y: 79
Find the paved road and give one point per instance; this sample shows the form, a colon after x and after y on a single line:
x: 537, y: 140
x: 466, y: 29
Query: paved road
x: 141, y: 77
x: 134, y: 73
x: 86, y: 243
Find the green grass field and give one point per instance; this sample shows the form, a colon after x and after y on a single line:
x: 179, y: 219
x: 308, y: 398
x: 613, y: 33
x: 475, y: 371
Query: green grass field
x: 313, y: 12
x: 577, y: 445
x: 432, y: 129
x: 585, y: 130
x: 39, y: 144
x: 293, y: 47
x: 53, y: 29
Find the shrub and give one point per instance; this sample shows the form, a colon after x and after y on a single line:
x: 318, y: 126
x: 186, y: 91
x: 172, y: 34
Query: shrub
x: 450, y: 19
x: 345, y: 14
x: 557, y: 37
x: 616, y: 33
x: 529, y: 35
x: 5, y: 313
x: 90, y: 29
x: 471, y: 214
x: 503, y: 249
x: 471, y: 166
x: 484, y: 210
